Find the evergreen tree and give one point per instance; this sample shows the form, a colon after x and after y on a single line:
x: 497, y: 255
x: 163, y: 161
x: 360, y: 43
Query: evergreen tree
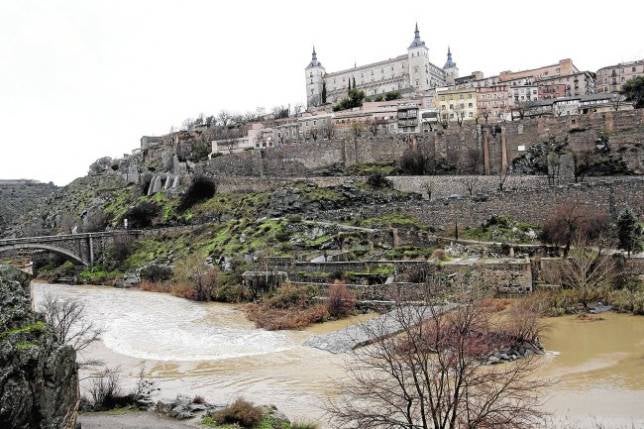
x: 633, y: 89
x: 349, y: 88
x: 323, y: 92
x: 354, y: 82
x: 628, y: 231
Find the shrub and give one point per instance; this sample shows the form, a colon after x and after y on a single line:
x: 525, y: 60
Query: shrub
x: 106, y: 392
x: 340, y: 301
x: 392, y: 95
x: 95, y: 221
x: 150, y: 286
x: 378, y: 180
x: 572, y: 221
x: 241, y: 412
x: 290, y: 296
x: 232, y: 293
x: 105, y: 389
x: 198, y: 399
x: 201, y: 188
x: 289, y: 307
x: 413, y: 161
x: 122, y: 247
x: 439, y: 255
x: 156, y: 273
x: 195, y: 279
x: 142, y: 215
x: 183, y: 290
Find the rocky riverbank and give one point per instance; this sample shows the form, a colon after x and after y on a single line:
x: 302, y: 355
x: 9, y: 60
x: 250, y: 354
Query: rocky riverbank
x: 38, y: 374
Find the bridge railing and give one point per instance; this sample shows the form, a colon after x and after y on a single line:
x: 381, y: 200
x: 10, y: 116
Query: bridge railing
x: 67, y: 237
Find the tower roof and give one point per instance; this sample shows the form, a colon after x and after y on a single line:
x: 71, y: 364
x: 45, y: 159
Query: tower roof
x: 314, y: 60
x: 449, y: 63
x: 417, y: 42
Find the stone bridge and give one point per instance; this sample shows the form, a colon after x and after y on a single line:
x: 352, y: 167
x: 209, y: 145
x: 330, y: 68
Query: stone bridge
x: 83, y: 248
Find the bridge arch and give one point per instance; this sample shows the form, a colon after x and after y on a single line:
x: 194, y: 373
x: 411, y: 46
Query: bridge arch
x: 54, y: 249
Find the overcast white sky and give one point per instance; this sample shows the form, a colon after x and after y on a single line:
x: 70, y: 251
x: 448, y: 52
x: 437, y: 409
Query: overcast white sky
x: 83, y: 79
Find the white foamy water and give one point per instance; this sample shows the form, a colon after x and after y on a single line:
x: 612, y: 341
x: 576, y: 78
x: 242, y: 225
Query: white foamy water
x: 148, y: 325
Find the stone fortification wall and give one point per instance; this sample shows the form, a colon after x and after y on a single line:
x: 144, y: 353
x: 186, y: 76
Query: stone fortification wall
x: 472, y: 148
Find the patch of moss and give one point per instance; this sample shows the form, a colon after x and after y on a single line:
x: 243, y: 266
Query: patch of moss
x: 151, y: 249
x: 408, y: 252
x: 37, y: 326
x: 501, y: 228
x: 98, y: 275
x: 25, y: 345
x: 397, y: 219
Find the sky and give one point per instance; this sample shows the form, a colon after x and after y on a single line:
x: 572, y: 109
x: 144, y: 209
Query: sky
x: 81, y: 79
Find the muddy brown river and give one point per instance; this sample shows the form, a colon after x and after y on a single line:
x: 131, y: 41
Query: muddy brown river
x: 597, y: 367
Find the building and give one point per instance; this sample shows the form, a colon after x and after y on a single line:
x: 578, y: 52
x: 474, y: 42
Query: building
x: 408, y: 118
x: 549, y: 91
x: 611, y: 78
x: 577, y: 84
x: 257, y: 137
x: 523, y: 93
x: 429, y: 119
x: 494, y: 102
x: 410, y: 73
x: 562, y: 68
x: 456, y: 104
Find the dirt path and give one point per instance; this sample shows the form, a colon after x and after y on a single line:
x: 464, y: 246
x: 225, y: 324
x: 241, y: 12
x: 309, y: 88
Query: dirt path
x: 130, y: 420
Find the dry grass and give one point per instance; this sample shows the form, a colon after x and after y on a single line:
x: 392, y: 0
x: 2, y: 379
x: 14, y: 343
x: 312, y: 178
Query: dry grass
x: 150, y: 286
x: 340, y: 302
x: 496, y: 305
x: 241, y: 412
x: 293, y: 318
x: 289, y: 307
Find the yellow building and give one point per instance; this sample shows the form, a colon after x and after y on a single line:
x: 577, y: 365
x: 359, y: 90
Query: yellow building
x: 456, y: 104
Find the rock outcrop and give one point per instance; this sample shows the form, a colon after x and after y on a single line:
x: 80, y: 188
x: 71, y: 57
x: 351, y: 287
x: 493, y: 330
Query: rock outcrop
x: 38, y: 374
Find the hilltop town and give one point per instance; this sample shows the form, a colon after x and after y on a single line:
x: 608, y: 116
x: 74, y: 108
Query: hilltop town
x: 403, y: 197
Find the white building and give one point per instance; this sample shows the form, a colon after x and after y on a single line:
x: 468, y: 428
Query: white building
x: 410, y: 73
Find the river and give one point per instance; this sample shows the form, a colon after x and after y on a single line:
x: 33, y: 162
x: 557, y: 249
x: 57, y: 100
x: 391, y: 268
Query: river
x: 210, y: 349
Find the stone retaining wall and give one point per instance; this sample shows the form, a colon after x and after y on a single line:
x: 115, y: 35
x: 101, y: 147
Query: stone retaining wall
x: 472, y: 148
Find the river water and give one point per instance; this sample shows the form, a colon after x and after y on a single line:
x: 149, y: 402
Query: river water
x: 211, y: 349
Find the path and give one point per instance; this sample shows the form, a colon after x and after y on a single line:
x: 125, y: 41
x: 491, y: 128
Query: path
x: 130, y: 420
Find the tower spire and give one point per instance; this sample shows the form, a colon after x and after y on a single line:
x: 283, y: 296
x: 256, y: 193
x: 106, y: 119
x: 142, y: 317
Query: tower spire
x: 450, y: 62
x: 314, y: 56
x: 416, y: 42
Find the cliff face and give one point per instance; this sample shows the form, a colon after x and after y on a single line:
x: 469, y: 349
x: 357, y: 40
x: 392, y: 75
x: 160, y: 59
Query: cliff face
x: 19, y: 197
x: 38, y: 375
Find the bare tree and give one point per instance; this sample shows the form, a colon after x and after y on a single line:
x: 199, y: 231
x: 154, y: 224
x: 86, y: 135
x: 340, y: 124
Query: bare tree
x: 373, y: 127
x: 67, y: 319
x: 470, y: 183
x: 428, y: 187
x: 587, y: 270
x: 328, y: 129
x: 434, y: 374
x: 443, y: 120
x: 504, y: 172
x: 224, y: 119
x: 356, y: 129
x: 460, y: 117
x: 313, y: 133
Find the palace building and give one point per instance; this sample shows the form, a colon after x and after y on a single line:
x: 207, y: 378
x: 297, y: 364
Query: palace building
x: 408, y: 74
